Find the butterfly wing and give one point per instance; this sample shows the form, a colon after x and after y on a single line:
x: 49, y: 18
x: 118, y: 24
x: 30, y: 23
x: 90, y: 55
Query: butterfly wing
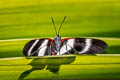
x: 83, y: 45
x: 38, y: 47
x: 42, y: 47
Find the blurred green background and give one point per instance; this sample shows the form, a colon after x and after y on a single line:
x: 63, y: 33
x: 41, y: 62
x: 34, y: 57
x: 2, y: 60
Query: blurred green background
x: 85, y: 18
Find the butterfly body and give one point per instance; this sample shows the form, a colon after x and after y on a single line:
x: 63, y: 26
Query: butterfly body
x: 57, y: 43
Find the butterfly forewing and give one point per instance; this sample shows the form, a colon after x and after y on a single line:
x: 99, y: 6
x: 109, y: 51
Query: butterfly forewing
x: 38, y: 47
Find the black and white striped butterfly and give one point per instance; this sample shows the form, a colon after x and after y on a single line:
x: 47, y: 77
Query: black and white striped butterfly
x: 58, y: 46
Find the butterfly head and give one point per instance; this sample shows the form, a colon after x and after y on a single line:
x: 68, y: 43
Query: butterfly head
x: 57, y: 37
x: 57, y: 40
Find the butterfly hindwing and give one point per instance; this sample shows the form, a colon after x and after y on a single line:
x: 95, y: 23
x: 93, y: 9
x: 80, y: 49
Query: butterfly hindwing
x: 38, y: 47
x: 85, y: 45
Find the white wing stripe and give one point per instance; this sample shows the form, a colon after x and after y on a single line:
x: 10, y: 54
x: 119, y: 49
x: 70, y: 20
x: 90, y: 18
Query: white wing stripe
x: 43, y: 48
x: 32, y: 47
x: 69, y: 45
x: 87, y: 46
x: 71, y: 42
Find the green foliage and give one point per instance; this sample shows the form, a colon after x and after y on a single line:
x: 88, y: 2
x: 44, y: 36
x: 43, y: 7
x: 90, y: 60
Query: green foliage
x: 83, y: 67
x: 32, y: 19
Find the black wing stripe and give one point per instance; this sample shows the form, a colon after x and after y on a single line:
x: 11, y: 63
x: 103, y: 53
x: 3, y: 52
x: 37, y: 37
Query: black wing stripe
x: 97, y: 46
x: 37, y: 45
x: 31, y: 48
x: 27, y: 47
x: 90, y: 46
x: 43, y: 47
x: 99, y: 43
x: 79, y: 44
x: 87, y: 46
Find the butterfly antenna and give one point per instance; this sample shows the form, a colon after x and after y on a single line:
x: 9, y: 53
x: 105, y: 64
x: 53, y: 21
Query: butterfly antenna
x: 61, y: 25
x: 54, y: 25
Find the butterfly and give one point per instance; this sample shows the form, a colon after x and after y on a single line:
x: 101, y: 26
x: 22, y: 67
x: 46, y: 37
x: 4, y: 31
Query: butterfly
x: 59, y: 46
